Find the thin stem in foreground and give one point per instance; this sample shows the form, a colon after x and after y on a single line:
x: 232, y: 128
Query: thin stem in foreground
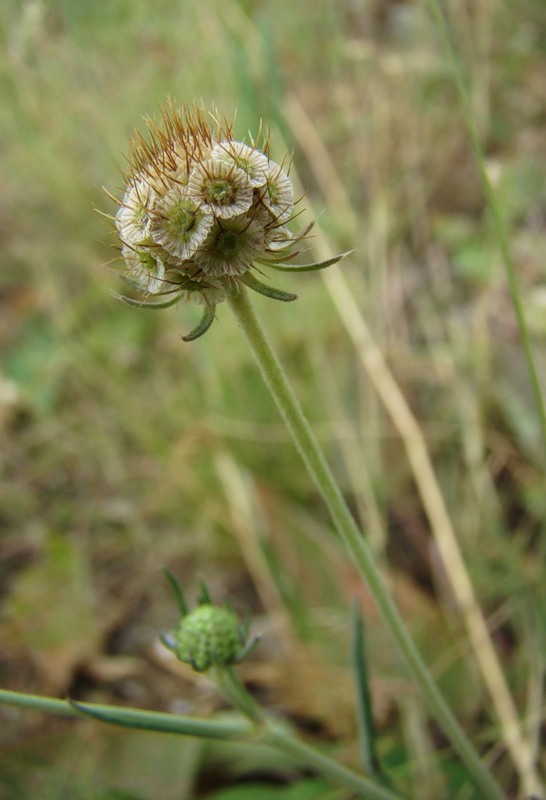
x: 277, y: 735
x: 135, y: 718
x: 250, y: 730
x: 353, y: 539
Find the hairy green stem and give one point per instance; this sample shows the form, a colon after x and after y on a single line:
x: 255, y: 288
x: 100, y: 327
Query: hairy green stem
x: 353, y: 539
x: 277, y: 735
x: 158, y: 721
x: 325, y: 766
x: 228, y: 683
x: 253, y: 730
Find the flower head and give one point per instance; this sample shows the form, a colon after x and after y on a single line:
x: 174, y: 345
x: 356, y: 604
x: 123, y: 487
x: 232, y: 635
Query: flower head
x: 208, y: 635
x: 200, y: 212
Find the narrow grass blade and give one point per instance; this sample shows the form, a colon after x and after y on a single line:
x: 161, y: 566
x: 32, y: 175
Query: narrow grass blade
x: 177, y: 591
x: 366, y: 727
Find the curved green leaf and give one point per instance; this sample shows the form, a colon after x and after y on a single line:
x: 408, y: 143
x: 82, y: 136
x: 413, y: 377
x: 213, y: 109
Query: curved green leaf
x: 312, y: 267
x: 268, y: 291
x: 206, y: 321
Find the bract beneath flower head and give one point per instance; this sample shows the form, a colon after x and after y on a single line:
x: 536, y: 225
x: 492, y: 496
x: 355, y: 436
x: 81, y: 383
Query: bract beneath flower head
x: 204, y: 294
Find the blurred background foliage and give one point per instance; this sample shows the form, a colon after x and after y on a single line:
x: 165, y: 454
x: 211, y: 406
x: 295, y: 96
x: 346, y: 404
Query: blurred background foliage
x: 124, y: 450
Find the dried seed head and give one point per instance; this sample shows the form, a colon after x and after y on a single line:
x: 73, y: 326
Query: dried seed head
x: 199, y: 211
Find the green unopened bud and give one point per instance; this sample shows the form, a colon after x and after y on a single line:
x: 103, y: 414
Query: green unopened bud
x: 209, y: 636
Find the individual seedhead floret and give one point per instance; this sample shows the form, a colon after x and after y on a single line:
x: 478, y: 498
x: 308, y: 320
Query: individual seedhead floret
x: 251, y: 161
x: 220, y: 189
x: 133, y: 217
x: 146, y: 268
x: 178, y: 224
x: 232, y: 247
x: 278, y: 193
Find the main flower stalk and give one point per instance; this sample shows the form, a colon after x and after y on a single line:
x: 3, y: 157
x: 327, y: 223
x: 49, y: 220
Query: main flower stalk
x: 309, y: 449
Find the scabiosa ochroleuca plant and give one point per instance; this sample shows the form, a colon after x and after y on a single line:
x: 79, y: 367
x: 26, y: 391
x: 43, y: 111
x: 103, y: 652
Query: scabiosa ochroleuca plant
x: 201, y: 213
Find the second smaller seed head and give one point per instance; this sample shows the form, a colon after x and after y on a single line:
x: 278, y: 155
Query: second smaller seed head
x: 209, y: 636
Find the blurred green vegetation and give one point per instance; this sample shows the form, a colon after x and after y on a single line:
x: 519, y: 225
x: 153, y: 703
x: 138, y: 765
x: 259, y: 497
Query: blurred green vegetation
x: 124, y: 450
